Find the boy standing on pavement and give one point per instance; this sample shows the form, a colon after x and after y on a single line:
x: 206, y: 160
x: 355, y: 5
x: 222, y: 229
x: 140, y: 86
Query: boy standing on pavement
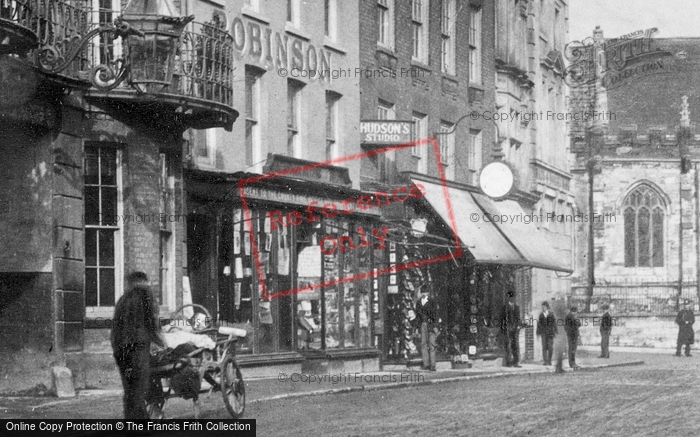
x: 571, y: 325
x: 510, y: 328
x: 547, y: 329
x: 426, y: 311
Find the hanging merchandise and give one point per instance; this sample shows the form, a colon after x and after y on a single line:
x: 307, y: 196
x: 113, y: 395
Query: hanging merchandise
x: 404, y: 333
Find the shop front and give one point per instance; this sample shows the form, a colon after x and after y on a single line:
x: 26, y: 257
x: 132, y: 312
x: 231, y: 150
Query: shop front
x: 488, y: 259
x: 291, y: 261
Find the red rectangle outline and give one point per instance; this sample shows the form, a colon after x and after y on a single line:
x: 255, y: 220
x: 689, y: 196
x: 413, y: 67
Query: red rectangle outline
x: 373, y: 274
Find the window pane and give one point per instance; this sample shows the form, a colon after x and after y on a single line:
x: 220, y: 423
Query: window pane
x: 92, y: 205
x: 349, y: 313
x: 658, y: 238
x: 106, y: 247
x: 90, y: 247
x: 108, y: 161
x: 291, y: 106
x: 249, y: 98
x: 107, y: 287
x: 630, y: 243
x: 249, y: 125
x: 91, y: 287
x: 644, y: 238
x: 91, y: 167
x: 109, y: 206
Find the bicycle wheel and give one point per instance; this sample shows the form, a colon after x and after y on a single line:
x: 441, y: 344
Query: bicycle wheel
x: 233, y: 387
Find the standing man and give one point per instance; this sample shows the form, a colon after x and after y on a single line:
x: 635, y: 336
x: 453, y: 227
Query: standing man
x: 510, y: 328
x: 426, y: 313
x: 686, y: 336
x: 134, y: 327
x: 571, y: 325
x: 547, y: 329
x: 605, y: 328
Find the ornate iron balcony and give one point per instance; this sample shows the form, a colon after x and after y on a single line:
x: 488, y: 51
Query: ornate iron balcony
x: 139, y: 59
x: 18, y: 27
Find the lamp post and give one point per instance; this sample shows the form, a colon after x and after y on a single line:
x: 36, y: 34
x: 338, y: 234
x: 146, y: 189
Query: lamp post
x: 683, y: 137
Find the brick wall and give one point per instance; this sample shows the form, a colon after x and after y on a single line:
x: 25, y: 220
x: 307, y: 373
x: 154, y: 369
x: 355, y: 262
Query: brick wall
x: 439, y: 96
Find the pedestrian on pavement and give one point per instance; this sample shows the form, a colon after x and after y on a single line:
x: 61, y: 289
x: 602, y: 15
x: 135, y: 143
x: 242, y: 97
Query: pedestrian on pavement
x: 560, y: 340
x: 686, y: 336
x: 426, y: 313
x: 547, y: 329
x: 510, y: 329
x: 606, y: 323
x: 134, y: 327
x: 571, y: 325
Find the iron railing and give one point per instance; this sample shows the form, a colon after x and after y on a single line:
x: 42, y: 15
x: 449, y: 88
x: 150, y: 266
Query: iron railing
x: 639, y: 296
x: 203, y: 67
x: 18, y: 13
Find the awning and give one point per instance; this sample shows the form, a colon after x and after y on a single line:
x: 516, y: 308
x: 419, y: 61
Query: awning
x: 534, y: 245
x: 480, y: 237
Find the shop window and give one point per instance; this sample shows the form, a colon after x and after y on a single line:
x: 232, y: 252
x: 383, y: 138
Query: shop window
x: 293, y: 118
x: 448, y: 58
x: 644, y: 212
x: 102, y: 225
x: 310, y: 268
x: 420, y: 18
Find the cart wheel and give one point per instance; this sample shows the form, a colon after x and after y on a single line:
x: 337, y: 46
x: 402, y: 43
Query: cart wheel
x: 233, y: 388
x: 156, y: 401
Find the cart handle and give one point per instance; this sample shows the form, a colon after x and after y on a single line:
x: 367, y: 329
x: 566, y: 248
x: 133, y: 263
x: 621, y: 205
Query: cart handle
x: 193, y: 305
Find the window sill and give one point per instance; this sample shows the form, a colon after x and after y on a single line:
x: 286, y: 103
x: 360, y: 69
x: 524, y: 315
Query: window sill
x: 254, y: 15
x: 386, y: 49
x: 295, y: 31
x: 332, y: 45
x: 420, y: 64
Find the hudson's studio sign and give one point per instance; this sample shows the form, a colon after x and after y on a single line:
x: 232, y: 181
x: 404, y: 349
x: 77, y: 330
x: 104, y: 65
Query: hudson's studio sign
x: 277, y: 49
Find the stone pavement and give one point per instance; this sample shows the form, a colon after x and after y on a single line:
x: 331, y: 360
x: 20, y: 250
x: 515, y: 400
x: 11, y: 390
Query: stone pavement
x: 105, y: 404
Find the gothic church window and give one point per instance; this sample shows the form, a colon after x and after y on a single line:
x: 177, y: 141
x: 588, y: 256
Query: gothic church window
x: 644, y: 213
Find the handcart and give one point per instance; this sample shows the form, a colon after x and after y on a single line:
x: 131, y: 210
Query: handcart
x: 204, y: 370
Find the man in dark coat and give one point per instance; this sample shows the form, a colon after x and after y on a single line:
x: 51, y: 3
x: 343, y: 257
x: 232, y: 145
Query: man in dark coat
x: 606, y: 323
x: 547, y: 329
x: 571, y: 325
x: 686, y: 336
x: 510, y: 328
x: 426, y: 313
x: 134, y: 327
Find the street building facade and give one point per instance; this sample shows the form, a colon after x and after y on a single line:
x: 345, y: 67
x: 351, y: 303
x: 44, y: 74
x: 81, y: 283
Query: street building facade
x: 643, y: 154
x: 92, y: 179
x: 290, y: 286
x: 451, y: 71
